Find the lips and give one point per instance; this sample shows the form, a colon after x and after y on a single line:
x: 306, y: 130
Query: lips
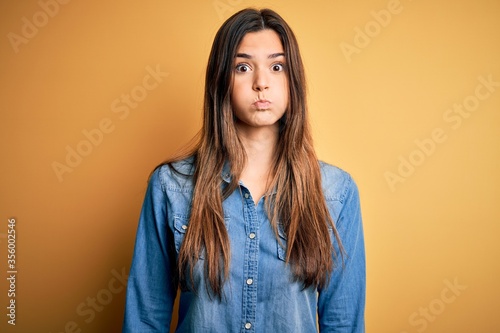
x: 262, y: 104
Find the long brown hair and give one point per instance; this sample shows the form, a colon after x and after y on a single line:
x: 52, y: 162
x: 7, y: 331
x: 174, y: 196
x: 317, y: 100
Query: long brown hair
x: 298, y: 205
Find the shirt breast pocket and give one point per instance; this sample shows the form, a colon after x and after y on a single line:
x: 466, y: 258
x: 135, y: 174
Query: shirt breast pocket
x: 282, y: 241
x: 181, y: 225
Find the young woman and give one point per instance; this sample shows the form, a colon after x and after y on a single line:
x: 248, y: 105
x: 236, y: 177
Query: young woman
x: 258, y: 235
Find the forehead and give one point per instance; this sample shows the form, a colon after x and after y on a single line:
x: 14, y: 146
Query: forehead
x: 264, y: 41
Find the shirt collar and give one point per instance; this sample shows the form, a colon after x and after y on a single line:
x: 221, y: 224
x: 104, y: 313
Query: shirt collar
x: 228, y: 177
x: 226, y: 172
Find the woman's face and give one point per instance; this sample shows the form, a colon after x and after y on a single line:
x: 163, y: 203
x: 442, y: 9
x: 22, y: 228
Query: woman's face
x: 259, y: 96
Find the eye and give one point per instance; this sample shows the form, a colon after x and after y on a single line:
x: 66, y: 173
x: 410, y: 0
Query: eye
x: 242, y: 68
x: 278, y: 67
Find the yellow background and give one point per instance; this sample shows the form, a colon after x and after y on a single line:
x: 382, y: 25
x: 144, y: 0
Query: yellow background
x: 368, y: 109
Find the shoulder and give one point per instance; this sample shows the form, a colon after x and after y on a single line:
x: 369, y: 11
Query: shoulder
x: 337, y: 184
x: 175, y: 176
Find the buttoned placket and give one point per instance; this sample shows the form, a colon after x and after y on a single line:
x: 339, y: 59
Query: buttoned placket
x: 251, y: 261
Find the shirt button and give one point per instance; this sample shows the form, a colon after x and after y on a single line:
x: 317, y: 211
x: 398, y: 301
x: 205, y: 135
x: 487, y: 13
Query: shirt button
x: 249, y: 281
x: 248, y: 326
x: 247, y: 195
x: 184, y: 227
x: 251, y: 235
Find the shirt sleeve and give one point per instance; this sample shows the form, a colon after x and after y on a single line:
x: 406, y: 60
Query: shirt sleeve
x: 341, y: 303
x: 150, y: 290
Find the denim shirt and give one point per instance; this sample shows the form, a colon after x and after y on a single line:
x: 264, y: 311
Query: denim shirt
x: 260, y: 294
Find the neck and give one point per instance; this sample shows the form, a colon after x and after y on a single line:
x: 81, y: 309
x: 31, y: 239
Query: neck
x: 260, y: 147
x: 260, y: 144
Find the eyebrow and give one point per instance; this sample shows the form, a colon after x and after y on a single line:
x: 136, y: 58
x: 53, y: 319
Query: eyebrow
x: 248, y: 56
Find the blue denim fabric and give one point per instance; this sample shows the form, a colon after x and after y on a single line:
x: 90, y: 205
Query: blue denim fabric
x: 260, y: 295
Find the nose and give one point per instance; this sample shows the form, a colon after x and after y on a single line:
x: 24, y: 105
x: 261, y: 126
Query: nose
x: 261, y: 81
